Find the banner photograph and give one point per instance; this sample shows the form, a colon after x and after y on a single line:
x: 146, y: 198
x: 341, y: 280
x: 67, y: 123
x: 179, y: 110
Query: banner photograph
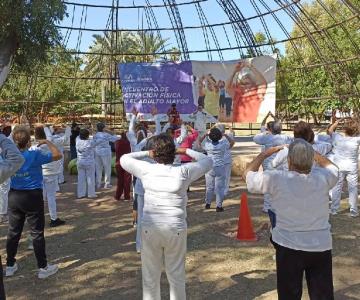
x: 233, y: 91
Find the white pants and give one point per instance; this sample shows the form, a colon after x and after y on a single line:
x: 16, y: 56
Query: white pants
x: 50, y: 185
x: 140, y: 207
x: 215, y: 183
x: 164, y: 246
x: 86, y: 180
x: 103, y: 162
x: 227, y: 168
x: 61, y: 177
x: 352, y: 181
x: 4, y: 193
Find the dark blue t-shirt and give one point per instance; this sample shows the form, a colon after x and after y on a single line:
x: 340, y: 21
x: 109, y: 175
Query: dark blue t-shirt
x: 29, y: 176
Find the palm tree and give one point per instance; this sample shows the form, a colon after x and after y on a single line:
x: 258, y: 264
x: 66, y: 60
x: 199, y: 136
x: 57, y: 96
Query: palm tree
x: 111, y: 48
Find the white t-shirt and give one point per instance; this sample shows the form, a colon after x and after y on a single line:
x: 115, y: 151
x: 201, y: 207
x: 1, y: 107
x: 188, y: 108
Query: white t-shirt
x: 346, y: 152
x: 200, y: 118
x: 268, y: 140
x: 217, y: 151
x: 85, y: 150
x: 104, y: 148
x: 165, y: 186
x: 301, y: 205
x: 280, y: 160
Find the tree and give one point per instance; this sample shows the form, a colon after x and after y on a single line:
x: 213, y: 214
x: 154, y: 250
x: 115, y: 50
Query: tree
x: 317, y: 81
x: 111, y: 48
x: 27, y: 30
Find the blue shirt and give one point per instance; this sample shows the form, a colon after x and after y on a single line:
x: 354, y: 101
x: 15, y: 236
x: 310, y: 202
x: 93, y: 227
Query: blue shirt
x: 29, y: 176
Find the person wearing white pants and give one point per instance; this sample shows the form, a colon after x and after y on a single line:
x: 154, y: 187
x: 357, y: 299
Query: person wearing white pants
x: 103, y: 155
x: 215, y: 147
x: 50, y: 173
x: 85, y: 149
x: 4, y: 196
x: 60, y: 139
x: 346, y: 153
x: 163, y: 232
x: 227, y: 159
x: 270, y: 136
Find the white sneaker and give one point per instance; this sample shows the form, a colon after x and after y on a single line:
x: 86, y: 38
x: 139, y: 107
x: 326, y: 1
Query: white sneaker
x: 10, y: 271
x: 48, y: 271
x: 354, y: 214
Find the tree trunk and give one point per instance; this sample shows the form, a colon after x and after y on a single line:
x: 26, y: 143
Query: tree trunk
x: 7, y: 50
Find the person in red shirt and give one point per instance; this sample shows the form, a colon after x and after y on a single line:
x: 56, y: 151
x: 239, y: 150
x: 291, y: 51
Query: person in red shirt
x: 247, y: 87
x: 122, y: 147
x: 188, y: 143
x: 174, y: 117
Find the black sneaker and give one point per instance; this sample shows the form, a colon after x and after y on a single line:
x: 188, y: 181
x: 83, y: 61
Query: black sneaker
x: 57, y: 222
x: 219, y: 209
x: 207, y: 206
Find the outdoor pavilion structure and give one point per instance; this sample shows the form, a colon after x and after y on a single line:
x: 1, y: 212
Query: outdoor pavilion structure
x: 233, y: 35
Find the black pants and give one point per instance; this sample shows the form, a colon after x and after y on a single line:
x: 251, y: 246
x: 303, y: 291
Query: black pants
x: 26, y: 205
x: 2, y: 290
x: 290, y: 267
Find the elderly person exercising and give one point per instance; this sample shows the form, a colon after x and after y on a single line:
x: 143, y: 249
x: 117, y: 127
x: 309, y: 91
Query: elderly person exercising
x: 163, y: 226
x: 301, y: 234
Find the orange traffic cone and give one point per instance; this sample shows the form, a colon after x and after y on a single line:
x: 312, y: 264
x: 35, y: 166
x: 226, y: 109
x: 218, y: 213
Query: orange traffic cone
x: 245, y: 228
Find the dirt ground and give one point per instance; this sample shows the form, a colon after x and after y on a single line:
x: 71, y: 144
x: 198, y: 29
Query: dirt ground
x: 97, y: 257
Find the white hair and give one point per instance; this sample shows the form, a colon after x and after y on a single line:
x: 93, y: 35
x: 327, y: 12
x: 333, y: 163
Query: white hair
x: 301, y: 155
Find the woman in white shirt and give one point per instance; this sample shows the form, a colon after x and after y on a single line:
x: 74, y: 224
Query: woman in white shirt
x: 163, y: 226
x: 301, y: 233
x: 346, y: 153
x: 270, y: 136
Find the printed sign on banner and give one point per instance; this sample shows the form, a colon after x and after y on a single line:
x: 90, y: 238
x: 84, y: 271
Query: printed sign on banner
x: 233, y: 91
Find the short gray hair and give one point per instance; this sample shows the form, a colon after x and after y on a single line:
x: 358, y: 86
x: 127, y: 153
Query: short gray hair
x: 301, y: 155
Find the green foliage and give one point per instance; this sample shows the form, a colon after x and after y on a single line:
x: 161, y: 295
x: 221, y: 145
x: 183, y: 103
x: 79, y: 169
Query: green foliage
x: 30, y: 94
x: 321, y: 81
x: 33, y: 26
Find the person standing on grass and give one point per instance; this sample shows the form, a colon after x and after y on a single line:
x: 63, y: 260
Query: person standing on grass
x: 227, y: 157
x: 122, y: 146
x: 301, y: 230
x: 11, y: 161
x: 75, y: 130
x: 216, y: 148
x: 26, y: 202
x: 163, y: 227
x: 270, y: 136
x: 103, y: 155
x: 60, y: 138
x: 51, y: 173
x: 85, y: 148
x: 346, y: 155
x: 4, y: 186
x: 199, y: 117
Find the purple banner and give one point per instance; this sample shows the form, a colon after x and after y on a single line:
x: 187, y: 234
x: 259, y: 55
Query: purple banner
x: 145, y: 85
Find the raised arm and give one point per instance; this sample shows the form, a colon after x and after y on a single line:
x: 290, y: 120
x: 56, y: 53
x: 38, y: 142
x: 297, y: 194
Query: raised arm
x: 12, y: 158
x: 322, y: 161
x: 133, y: 164
x: 230, y: 140
x: 263, y: 123
x: 48, y: 133
x: 56, y: 154
x: 333, y: 127
x: 196, y: 169
x: 256, y: 163
x: 182, y: 136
